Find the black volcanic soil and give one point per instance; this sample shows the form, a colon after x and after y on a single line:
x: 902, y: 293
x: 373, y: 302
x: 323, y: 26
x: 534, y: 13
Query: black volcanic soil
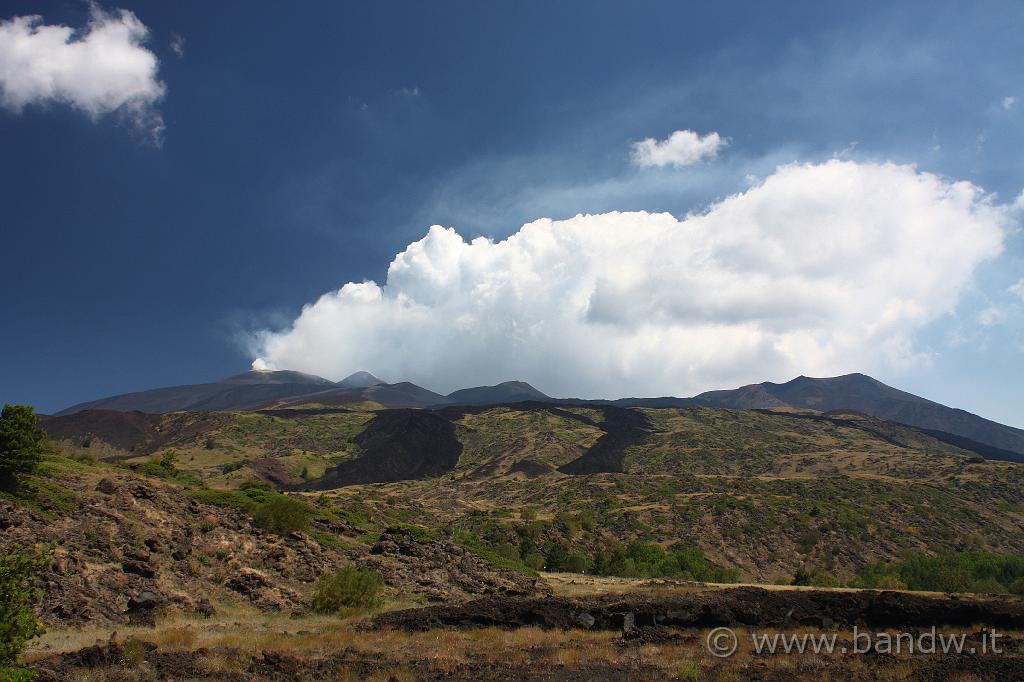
x: 747, y: 606
x: 397, y: 445
x: 408, y: 444
x: 284, y: 667
x: 136, y: 432
x: 623, y: 428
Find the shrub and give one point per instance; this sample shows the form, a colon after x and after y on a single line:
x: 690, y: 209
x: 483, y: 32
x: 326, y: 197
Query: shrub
x: 824, y: 579
x: 534, y: 561
x: 640, y: 559
x: 18, y: 623
x: 687, y: 671
x: 166, y: 467
x: 232, y: 466
x: 22, y: 444
x: 347, y: 587
x: 890, y: 582
x: 283, y: 515
x: 814, y: 578
x: 959, y: 572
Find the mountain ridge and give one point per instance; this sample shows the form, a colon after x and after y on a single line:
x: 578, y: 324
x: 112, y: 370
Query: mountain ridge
x: 285, y: 388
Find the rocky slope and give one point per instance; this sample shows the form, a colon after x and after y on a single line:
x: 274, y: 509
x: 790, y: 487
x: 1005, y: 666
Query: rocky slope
x: 126, y: 548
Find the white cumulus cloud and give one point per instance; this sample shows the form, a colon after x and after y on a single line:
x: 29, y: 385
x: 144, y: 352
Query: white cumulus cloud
x: 818, y: 269
x: 681, y: 148
x: 102, y: 69
x: 1018, y: 289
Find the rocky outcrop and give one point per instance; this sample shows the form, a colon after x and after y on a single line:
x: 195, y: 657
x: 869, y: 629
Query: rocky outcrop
x: 441, y: 570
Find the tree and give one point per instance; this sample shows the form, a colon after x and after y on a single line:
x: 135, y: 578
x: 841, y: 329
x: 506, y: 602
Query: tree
x: 18, y: 624
x: 22, y: 444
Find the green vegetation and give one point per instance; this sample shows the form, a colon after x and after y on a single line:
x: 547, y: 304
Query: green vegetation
x: 468, y: 541
x: 246, y: 497
x: 283, y: 515
x: 544, y: 436
x: 22, y: 445
x: 347, y: 588
x: 18, y: 624
x: 641, y: 560
x: 961, y: 572
x: 320, y: 434
x: 572, y: 543
x: 165, y: 467
x: 269, y: 509
x: 815, y: 578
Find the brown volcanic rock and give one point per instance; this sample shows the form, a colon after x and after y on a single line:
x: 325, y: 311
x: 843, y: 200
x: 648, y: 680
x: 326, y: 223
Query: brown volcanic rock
x: 440, y: 569
x: 122, y: 556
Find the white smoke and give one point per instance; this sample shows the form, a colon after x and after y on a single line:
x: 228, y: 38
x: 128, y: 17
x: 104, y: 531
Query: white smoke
x: 820, y: 269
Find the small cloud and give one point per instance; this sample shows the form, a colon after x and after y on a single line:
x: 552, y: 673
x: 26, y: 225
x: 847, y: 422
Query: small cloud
x: 681, y: 148
x: 178, y: 45
x: 991, y: 316
x: 357, y: 103
x: 409, y: 92
x: 100, y: 70
x: 1018, y: 289
x: 1008, y: 102
x: 846, y: 151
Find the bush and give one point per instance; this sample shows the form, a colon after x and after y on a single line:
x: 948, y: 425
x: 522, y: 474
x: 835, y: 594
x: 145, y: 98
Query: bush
x: 283, y: 515
x: 824, y: 579
x: 18, y: 623
x: 166, y: 467
x: 22, y: 444
x: 959, y: 572
x: 347, y: 587
x: 643, y: 560
x: 890, y: 582
x: 534, y: 561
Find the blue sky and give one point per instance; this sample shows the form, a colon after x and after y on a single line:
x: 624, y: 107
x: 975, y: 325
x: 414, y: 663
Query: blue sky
x: 303, y: 150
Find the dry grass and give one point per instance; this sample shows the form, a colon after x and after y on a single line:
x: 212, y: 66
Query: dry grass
x: 228, y: 652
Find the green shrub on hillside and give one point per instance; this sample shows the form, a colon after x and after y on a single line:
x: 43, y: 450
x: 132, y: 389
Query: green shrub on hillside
x: 22, y: 445
x: 643, y: 560
x: 283, y: 515
x: 815, y: 578
x: 960, y: 572
x: 166, y: 467
x: 18, y: 624
x: 347, y: 587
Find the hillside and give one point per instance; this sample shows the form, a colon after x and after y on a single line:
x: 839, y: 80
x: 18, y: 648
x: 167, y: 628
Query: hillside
x: 506, y: 392
x: 763, y: 492
x: 491, y: 513
x: 861, y: 393
x: 242, y: 391
x: 849, y: 393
